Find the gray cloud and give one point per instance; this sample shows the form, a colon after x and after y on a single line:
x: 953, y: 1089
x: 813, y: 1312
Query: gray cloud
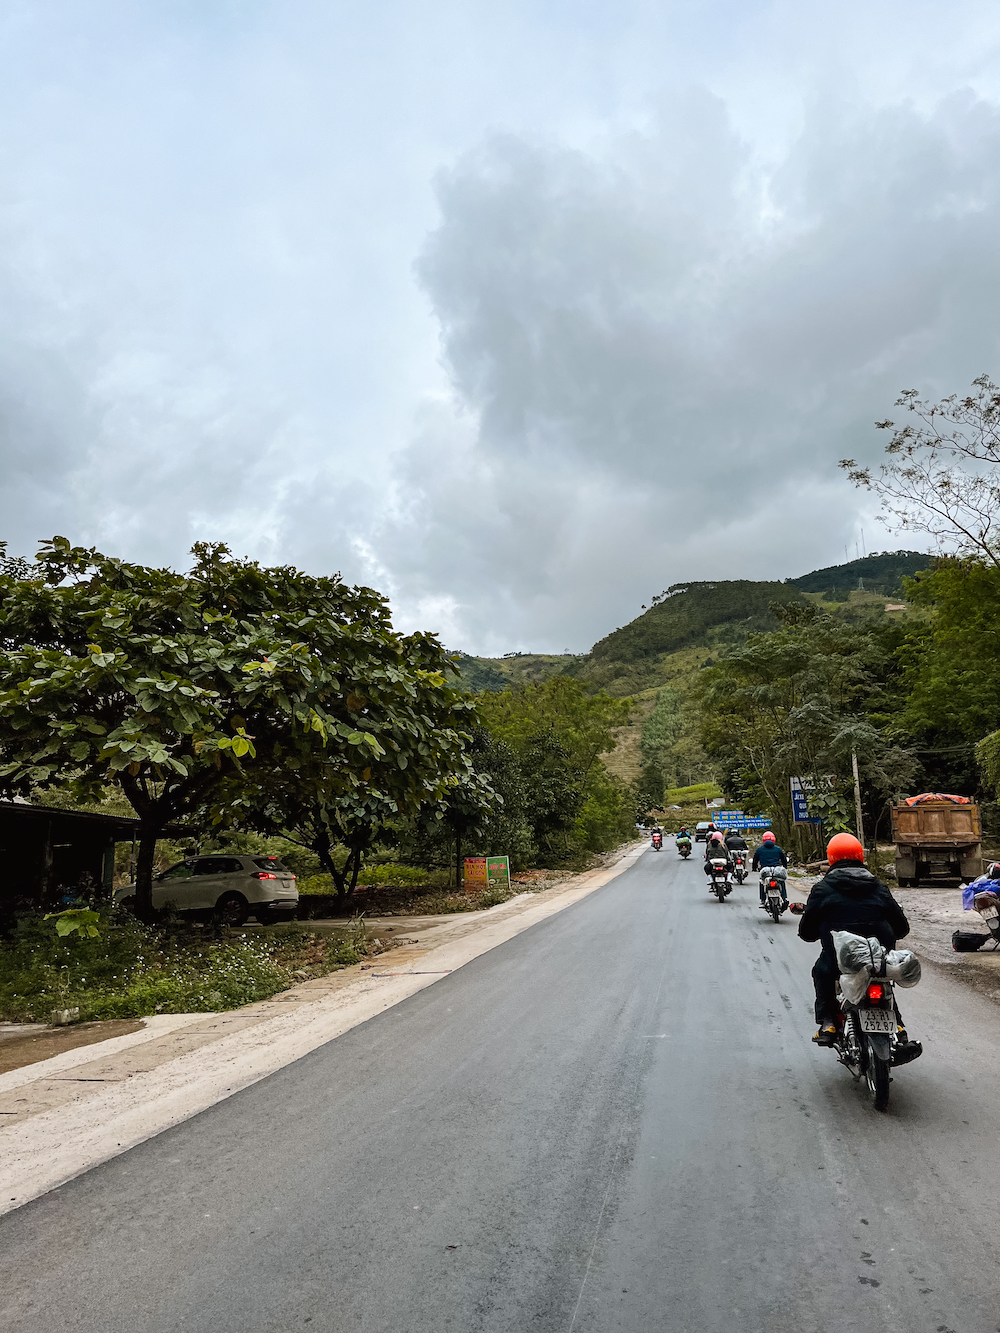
x: 660, y: 350
x: 641, y: 329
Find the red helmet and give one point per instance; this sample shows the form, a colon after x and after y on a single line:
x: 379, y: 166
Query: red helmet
x: 844, y: 847
x: 768, y: 837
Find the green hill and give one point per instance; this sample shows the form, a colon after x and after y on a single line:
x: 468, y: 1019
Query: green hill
x: 688, y: 624
x: 696, y: 613
x: 882, y: 573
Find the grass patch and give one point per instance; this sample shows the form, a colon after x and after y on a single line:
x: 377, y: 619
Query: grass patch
x: 701, y: 791
x: 133, y: 970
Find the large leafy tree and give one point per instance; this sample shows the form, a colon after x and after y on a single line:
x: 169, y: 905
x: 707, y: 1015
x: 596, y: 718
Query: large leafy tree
x: 181, y: 689
x: 798, y: 702
x: 559, y: 732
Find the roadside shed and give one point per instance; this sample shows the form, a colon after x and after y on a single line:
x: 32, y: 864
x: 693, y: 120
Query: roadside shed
x: 46, y: 852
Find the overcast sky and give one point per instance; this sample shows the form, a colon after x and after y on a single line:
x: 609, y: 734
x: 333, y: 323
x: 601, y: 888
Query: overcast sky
x: 518, y: 312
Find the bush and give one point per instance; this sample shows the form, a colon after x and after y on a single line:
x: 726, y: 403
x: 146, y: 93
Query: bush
x: 133, y: 970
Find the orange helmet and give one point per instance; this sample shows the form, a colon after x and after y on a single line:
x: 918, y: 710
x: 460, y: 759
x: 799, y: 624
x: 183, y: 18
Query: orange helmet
x: 844, y: 847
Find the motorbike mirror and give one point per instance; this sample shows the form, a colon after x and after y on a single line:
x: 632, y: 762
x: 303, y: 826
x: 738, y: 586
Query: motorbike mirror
x: 796, y: 908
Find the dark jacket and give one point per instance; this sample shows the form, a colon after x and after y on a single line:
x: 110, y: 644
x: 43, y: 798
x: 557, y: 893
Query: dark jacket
x: 849, y: 897
x: 717, y: 849
x: 736, y: 842
x: 768, y: 854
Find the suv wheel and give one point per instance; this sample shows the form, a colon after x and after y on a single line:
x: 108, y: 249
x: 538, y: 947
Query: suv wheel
x: 232, y: 909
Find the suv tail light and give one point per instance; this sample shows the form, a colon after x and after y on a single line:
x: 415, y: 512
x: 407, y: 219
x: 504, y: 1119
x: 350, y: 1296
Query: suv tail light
x: 263, y: 874
x: 875, y: 991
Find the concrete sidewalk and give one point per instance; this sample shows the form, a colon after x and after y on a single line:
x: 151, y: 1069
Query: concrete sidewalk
x: 62, y: 1116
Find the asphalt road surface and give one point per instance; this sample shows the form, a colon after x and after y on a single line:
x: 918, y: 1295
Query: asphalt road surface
x: 614, y: 1122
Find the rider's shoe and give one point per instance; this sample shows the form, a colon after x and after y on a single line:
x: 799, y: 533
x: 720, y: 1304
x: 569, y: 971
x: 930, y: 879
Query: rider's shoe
x: 827, y: 1035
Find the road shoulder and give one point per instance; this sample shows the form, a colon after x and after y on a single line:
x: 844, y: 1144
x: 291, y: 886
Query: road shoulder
x: 63, y: 1116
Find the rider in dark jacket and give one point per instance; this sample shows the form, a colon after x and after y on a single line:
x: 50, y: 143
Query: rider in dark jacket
x: 769, y: 854
x: 848, y: 897
x: 735, y: 841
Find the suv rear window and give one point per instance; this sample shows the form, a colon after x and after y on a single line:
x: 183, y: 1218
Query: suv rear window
x: 268, y: 863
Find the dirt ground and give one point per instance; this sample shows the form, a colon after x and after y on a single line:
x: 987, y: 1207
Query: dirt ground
x: 26, y: 1043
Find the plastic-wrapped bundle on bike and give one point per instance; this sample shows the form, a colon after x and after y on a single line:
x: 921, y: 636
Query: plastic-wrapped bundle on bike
x: 902, y: 966
x: 856, y: 954
x: 861, y: 958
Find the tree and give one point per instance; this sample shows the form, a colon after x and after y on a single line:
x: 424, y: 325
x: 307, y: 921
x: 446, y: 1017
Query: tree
x: 944, y: 473
x: 176, y: 688
x: 798, y: 702
x: 559, y: 732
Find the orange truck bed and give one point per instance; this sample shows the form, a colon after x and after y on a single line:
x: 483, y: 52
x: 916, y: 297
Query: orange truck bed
x: 936, y: 838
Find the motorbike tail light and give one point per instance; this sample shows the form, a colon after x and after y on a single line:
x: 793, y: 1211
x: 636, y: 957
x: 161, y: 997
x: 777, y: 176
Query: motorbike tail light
x: 774, y: 884
x: 875, y: 991
x: 263, y: 874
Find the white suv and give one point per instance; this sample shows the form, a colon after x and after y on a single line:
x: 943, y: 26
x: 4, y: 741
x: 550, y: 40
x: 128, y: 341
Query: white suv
x: 228, y: 887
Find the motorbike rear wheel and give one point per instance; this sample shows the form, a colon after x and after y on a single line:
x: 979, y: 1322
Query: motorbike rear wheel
x: 775, y: 910
x: 878, y: 1080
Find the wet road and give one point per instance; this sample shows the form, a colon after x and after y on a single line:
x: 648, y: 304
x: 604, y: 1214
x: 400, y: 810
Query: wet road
x: 614, y: 1122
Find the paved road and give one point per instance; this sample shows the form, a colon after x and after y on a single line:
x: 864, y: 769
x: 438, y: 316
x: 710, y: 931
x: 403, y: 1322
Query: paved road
x: 614, y: 1122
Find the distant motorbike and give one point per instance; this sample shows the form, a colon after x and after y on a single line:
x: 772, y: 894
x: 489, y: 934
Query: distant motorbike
x: 772, y: 881
x: 684, y: 847
x: 739, y: 866
x: 657, y: 841
x: 719, y: 876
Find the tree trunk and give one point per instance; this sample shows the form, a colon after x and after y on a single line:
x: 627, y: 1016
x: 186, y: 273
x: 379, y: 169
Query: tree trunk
x: 144, y: 874
x: 458, y: 862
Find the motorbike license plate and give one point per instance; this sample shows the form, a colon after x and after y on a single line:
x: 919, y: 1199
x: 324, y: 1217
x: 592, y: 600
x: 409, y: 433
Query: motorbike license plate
x: 991, y: 916
x: 773, y: 896
x: 878, y: 1021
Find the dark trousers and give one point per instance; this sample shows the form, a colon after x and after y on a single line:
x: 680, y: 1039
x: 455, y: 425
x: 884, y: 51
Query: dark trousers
x: 825, y: 974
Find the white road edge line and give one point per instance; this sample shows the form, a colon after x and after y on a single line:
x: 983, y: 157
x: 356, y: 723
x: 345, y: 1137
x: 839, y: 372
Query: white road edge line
x: 47, y: 1150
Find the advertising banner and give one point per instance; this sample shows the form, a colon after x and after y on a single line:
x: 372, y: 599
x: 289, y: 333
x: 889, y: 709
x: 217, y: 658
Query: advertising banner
x: 475, y: 874
x: 736, y: 819
x: 498, y: 872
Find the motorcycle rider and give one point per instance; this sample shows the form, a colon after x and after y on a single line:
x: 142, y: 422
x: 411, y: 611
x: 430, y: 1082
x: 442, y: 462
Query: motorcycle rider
x: 715, y: 847
x: 735, y: 841
x: 769, y: 854
x: 848, y: 897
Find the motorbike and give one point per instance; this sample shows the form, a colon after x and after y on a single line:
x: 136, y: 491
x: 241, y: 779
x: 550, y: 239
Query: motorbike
x: 684, y: 847
x: 868, y: 1042
x: 772, y: 881
x: 657, y: 841
x: 719, y: 877
x: 739, y: 866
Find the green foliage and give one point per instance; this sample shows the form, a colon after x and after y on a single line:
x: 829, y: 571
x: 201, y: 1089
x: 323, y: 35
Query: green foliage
x: 79, y: 920
x: 273, y: 699
x: 952, y: 663
x: 798, y: 702
x: 988, y: 758
x: 131, y: 970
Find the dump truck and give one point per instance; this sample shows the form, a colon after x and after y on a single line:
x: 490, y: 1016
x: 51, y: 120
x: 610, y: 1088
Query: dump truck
x: 936, y: 838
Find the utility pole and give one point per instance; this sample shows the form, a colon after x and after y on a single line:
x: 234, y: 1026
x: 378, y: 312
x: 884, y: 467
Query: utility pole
x: 857, y: 798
